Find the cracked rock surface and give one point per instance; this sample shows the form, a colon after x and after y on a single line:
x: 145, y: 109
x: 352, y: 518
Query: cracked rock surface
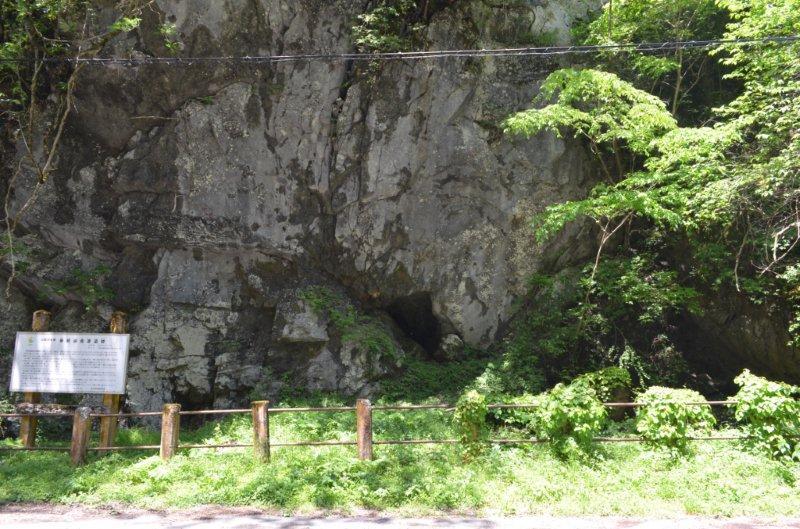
x: 219, y: 194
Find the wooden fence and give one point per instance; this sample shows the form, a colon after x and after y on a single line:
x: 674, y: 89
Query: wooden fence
x: 260, y: 412
x: 109, y: 416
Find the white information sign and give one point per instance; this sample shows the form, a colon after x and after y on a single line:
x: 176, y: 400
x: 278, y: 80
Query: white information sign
x: 57, y: 362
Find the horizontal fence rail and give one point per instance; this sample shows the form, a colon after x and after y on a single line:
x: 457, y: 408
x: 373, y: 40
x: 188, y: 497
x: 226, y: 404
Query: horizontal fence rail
x: 260, y: 412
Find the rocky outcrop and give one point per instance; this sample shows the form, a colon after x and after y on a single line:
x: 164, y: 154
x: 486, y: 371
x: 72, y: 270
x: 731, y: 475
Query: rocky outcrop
x: 219, y: 193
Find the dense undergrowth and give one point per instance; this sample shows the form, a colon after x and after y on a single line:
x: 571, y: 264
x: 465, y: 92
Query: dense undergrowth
x: 621, y: 479
x: 570, y: 473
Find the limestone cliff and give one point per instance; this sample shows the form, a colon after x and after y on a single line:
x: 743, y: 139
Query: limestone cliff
x: 222, y: 194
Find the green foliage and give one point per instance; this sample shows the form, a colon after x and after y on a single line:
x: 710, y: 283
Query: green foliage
x: 611, y: 384
x: 125, y: 24
x: 549, y: 342
x: 169, y: 33
x: 406, y: 480
x: 598, y: 106
x: 569, y: 417
x: 770, y: 415
x: 21, y: 252
x: 583, y: 324
x: 681, y: 77
x: 87, y: 285
x: 387, y: 27
x: 636, y: 289
x: 416, y: 480
x: 665, y: 421
x: 354, y: 326
x: 686, y: 211
x: 470, y: 423
x: 5, y: 407
x: 35, y: 29
x: 422, y: 379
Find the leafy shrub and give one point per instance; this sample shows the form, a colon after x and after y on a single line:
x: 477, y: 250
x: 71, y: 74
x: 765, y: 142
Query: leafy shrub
x: 770, y: 415
x: 470, y: 423
x: 610, y: 383
x: 569, y: 417
x: 548, y: 343
x: 666, y: 421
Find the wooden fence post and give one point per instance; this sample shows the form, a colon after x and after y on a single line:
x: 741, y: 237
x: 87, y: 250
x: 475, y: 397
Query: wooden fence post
x: 170, y: 430
x: 108, y: 425
x: 81, y: 430
x: 28, y: 425
x: 364, y: 429
x: 261, y: 430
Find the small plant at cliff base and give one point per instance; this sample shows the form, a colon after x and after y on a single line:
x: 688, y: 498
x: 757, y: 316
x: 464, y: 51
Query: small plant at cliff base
x: 470, y: 422
x: 569, y: 417
x: 770, y: 415
x: 5, y: 407
x: 678, y: 76
x: 355, y: 327
x: 666, y: 421
x: 84, y: 284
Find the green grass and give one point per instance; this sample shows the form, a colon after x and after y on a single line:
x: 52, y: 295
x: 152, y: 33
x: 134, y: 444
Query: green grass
x: 720, y: 478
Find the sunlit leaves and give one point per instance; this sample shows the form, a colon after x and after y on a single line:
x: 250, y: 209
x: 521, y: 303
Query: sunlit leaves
x: 669, y: 417
x: 770, y: 415
x: 598, y: 106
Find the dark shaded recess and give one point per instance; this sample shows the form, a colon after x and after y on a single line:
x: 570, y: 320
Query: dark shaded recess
x: 132, y: 278
x: 732, y: 334
x: 414, y: 315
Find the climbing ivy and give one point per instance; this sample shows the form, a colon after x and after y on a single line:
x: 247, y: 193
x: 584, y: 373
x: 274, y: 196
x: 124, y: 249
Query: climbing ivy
x: 470, y: 423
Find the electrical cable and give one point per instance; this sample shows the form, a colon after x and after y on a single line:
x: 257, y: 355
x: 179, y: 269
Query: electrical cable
x: 542, y: 51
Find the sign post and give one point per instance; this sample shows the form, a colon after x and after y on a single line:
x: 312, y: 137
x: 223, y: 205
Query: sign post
x: 28, y: 425
x: 112, y: 401
x: 62, y: 362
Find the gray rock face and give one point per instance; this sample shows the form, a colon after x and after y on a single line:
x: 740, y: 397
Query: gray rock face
x: 220, y: 192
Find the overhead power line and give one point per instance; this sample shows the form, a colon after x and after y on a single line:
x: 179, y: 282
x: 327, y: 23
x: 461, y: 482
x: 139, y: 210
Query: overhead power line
x: 539, y: 51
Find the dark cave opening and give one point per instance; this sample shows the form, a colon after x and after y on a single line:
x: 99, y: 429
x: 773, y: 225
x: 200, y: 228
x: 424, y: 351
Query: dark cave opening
x: 414, y: 315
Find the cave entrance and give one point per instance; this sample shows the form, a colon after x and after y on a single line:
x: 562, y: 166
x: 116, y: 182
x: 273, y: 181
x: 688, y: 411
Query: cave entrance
x: 414, y: 315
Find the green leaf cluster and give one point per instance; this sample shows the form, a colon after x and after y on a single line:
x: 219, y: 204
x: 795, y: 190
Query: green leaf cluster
x: 568, y: 417
x: 684, y: 78
x: 387, y: 27
x: 611, y: 384
x: 86, y: 285
x: 769, y: 413
x: 469, y: 420
x: 354, y: 326
x: 666, y: 420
